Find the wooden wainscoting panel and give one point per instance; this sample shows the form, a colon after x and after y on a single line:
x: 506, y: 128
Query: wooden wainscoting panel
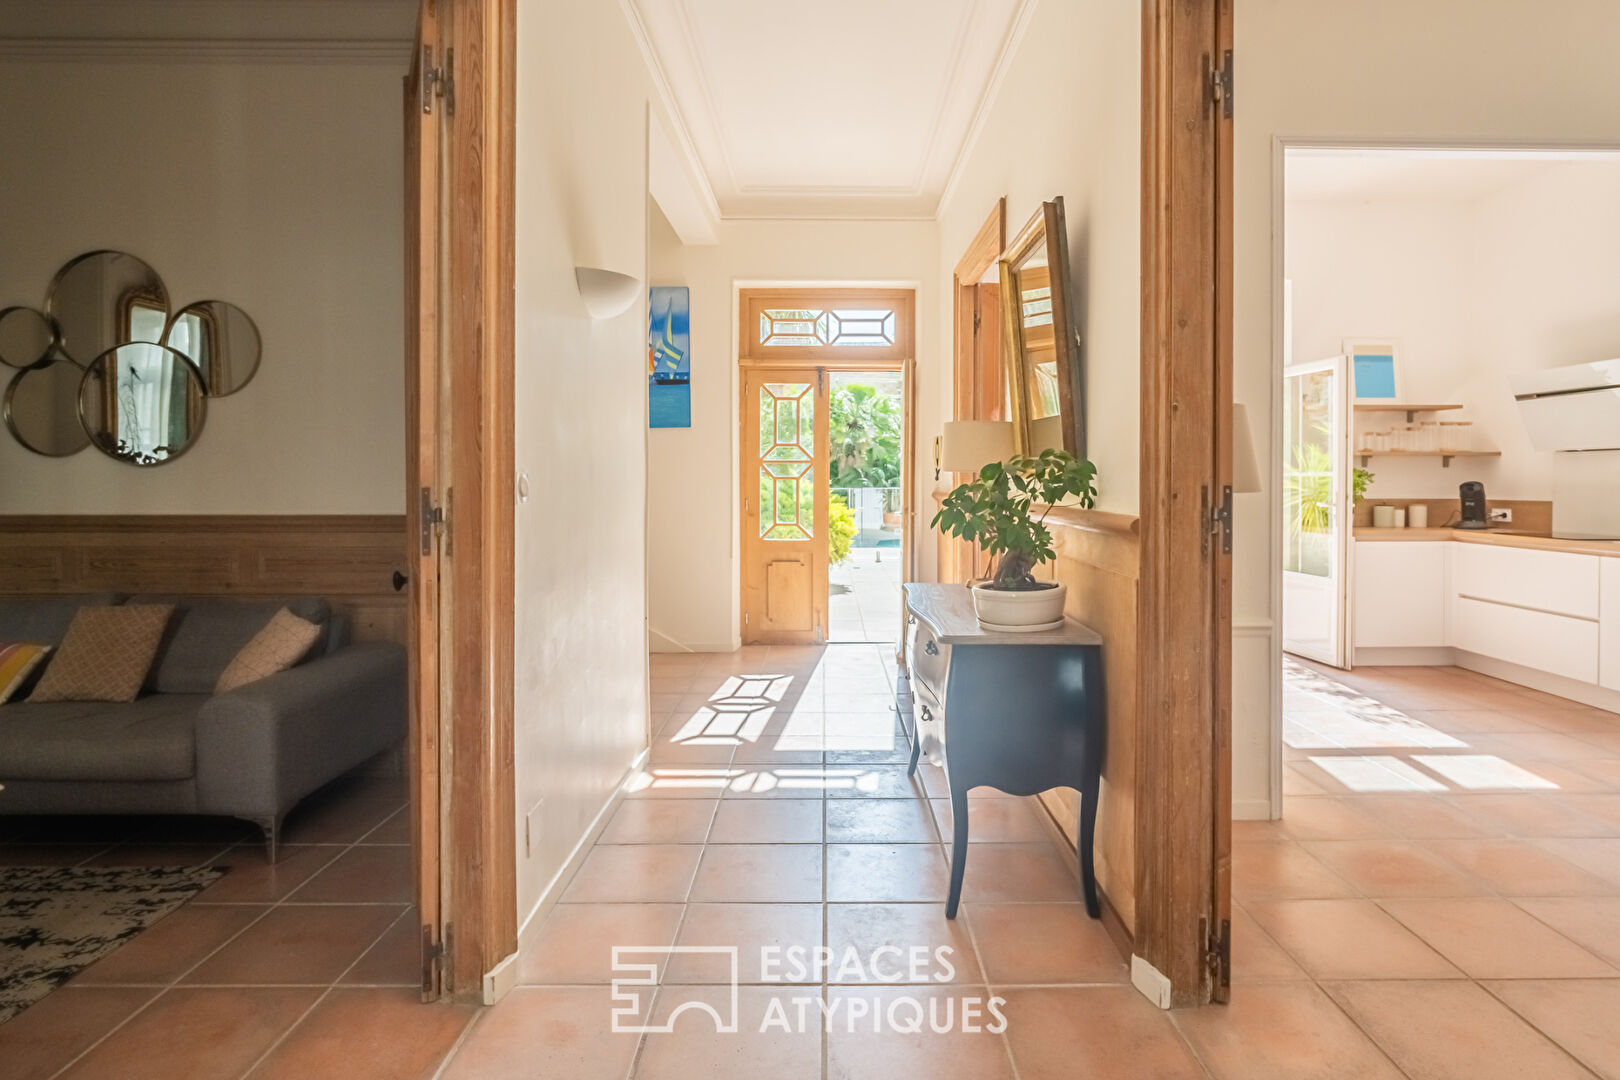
x: 1098, y: 556
x: 348, y: 559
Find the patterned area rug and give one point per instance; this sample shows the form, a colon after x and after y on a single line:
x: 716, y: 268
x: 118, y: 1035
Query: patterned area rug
x: 56, y: 921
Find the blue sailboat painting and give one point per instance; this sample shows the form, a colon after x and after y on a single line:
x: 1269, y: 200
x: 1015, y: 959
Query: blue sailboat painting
x: 669, y: 357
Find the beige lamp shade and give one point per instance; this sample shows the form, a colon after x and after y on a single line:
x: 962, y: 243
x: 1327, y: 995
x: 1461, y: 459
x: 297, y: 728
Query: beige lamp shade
x: 1046, y: 434
x: 1245, y: 468
x: 969, y: 445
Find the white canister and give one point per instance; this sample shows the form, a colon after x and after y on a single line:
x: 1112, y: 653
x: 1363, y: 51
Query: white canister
x: 1417, y: 515
x: 1400, y: 517
x: 1383, y: 517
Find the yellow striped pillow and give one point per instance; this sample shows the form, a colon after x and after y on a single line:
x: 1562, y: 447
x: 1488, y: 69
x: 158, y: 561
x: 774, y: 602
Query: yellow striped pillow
x: 17, y: 662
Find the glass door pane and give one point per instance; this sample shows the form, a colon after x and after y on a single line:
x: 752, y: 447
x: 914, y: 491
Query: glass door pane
x: 1315, y: 466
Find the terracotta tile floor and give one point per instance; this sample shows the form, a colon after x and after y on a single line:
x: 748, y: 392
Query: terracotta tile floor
x: 1441, y: 900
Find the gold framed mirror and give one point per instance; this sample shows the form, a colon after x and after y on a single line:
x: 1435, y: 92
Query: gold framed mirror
x: 1045, y: 373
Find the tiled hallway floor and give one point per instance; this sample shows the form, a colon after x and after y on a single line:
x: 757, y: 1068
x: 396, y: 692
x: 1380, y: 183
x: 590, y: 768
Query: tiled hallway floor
x: 1441, y: 900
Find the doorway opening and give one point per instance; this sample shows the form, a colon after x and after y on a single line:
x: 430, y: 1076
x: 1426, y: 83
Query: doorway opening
x: 827, y: 440
x: 1419, y: 290
x: 866, y: 521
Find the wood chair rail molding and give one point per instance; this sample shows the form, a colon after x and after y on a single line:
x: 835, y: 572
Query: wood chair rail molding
x: 348, y: 559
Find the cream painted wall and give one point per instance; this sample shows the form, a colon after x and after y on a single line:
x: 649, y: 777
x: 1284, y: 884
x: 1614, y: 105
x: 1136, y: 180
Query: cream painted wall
x: 1066, y: 121
x: 693, y: 515
x: 276, y: 186
x: 1478, y: 290
x: 581, y: 661
x: 1378, y: 70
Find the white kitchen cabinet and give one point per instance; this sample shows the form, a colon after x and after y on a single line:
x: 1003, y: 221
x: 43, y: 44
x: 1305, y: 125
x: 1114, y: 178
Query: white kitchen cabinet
x: 1399, y: 595
x: 1557, y: 644
x: 1609, y: 626
x: 1555, y: 581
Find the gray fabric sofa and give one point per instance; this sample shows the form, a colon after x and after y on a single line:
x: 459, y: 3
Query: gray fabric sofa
x: 252, y: 753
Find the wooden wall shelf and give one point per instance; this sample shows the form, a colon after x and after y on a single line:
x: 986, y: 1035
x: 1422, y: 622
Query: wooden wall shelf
x: 1445, y: 456
x: 1411, y: 411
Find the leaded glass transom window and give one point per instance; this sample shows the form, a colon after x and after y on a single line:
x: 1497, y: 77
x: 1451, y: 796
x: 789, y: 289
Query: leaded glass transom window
x: 787, y: 451
x: 841, y: 327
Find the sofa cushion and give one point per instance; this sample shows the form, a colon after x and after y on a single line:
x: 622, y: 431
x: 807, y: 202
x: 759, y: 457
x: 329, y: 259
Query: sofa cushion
x: 150, y: 739
x: 207, y: 632
x: 285, y: 640
x: 105, y: 654
x: 17, y: 662
x: 44, y: 619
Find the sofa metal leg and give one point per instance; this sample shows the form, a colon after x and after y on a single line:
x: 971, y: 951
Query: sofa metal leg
x: 271, y: 827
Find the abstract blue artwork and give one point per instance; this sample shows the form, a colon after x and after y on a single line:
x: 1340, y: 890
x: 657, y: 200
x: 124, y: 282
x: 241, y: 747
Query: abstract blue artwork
x: 1373, y: 370
x: 669, y: 357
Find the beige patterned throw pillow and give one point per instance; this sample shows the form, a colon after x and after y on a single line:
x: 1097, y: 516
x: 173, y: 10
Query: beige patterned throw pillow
x: 281, y: 644
x: 105, y: 654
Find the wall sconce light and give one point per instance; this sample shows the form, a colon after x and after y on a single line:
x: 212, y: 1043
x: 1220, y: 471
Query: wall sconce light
x: 606, y: 292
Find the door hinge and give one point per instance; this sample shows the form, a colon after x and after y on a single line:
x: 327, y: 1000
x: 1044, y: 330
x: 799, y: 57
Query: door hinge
x: 1218, y: 955
x: 1220, y: 84
x: 432, y: 519
x: 438, y: 81
x: 1218, y: 519
x: 435, y: 957
x: 976, y: 319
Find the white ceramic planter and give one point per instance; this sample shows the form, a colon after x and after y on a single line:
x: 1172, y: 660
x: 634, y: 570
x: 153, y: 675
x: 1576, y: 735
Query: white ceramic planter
x: 1039, y: 609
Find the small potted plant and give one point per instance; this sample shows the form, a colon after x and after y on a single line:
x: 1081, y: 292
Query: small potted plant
x: 1005, y: 511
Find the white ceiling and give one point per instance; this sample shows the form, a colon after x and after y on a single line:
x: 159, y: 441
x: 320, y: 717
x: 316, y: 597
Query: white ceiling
x: 831, y: 109
x: 1414, y: 175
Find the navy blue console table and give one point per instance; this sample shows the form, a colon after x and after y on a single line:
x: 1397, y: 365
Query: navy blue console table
x: 1019, y: 712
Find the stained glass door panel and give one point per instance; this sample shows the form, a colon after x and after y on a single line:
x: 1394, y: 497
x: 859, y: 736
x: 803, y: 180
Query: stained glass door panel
x: 784, y: 507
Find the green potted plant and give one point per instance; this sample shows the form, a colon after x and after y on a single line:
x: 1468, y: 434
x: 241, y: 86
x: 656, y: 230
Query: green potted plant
x: 1005, y: 510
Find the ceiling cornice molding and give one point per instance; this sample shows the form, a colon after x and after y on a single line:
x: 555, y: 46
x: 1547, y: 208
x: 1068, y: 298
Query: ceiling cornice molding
x: 211, y: 50
x: 677, y: 119
x: 987, y: 100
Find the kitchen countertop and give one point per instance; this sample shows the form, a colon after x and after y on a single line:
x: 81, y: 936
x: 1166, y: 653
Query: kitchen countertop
x: 1498, y: 537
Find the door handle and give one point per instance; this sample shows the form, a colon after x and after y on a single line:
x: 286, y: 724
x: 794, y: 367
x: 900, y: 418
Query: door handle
x: 928, y: 717
x: 399, y: 581
x: 930, y: 648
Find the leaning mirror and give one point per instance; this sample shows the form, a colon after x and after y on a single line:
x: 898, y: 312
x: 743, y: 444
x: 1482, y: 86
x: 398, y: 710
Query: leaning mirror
x: 42, y: 409
x: 1046, y: 381
x: 142, y: 403
x: 221, y: 340
x: 104, y: 299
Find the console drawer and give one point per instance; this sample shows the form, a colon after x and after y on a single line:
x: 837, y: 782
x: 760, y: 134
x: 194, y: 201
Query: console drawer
x: 929, y: 716
x: 927, y: 659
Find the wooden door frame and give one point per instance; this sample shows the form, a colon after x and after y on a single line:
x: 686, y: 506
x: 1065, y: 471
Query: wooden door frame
x: 979, y: 379
x: 1183, y: 797
x: 478, y: 875
x: 901, y: 358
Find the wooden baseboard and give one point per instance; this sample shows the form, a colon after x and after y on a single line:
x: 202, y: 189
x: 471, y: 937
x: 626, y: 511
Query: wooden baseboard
x: 348, y: 559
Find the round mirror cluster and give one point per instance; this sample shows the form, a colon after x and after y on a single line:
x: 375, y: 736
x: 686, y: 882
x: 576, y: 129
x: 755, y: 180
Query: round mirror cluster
x: 107, y: 363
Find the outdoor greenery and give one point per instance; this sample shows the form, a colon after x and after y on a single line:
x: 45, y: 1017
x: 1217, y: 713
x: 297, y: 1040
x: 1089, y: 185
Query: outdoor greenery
x: 840, y: 529
x: 864, y: 436
x: 1310, y: 488
x: 999, y: 511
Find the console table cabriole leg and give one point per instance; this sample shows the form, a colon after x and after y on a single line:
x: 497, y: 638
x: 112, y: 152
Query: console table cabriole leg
x: 1091, y: 777
x: 959, y: 847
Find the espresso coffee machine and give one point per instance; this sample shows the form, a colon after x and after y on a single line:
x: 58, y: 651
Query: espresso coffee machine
x: 1474, y: 514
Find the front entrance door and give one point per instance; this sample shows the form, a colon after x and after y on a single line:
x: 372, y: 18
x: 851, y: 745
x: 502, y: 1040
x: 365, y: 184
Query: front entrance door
x: 785, y: 496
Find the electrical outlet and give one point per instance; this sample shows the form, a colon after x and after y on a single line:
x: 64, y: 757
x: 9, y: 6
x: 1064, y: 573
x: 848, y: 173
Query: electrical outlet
x: 1502, y: 514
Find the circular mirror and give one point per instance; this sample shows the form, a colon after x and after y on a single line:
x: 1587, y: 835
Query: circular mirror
x: 26, y: 337
x: 221, y: 340
x: 42, y: 409
x: 105, y: 299
x: 142, y: 403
